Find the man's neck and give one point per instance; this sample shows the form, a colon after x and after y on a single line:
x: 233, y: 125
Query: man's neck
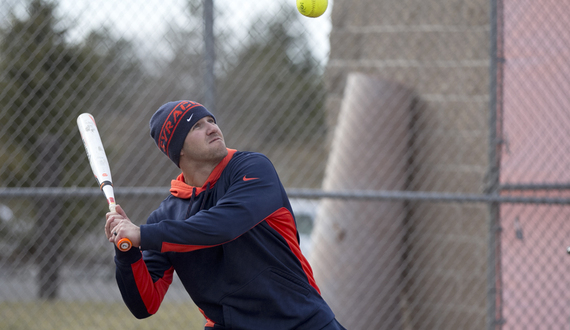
x: 197, y: 175
x: 196, y: 172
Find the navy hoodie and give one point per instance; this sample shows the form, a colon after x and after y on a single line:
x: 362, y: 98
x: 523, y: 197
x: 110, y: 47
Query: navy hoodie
x: 235, y: 247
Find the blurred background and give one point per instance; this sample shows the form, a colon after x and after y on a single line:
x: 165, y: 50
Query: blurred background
x: 424, y: 145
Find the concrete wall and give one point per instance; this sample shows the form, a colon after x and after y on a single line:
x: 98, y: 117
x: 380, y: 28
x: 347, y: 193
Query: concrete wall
x: 440, y: 50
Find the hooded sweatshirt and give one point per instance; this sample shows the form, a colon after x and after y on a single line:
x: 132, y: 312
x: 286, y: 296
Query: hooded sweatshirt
x: 235, y: 247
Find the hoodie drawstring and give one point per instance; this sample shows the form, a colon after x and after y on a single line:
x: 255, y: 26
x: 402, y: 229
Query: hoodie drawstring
x: 193, y: 198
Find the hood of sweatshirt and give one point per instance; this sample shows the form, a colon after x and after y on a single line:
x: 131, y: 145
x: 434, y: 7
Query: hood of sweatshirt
x: 179, y: 188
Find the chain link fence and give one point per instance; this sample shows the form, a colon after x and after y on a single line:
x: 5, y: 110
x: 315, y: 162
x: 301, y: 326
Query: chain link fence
x: 424, y: 145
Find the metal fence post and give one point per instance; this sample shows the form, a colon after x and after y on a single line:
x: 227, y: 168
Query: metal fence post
x: 494, y: 318
x: 209, y: 56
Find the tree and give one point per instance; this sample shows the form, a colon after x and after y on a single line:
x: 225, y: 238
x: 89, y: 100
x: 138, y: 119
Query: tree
x: 46, y: 83
x: 275, y: 84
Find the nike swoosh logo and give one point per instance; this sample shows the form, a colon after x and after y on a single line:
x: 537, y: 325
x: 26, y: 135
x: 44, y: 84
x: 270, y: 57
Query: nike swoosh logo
x: 189, y: 119
x: 248, y: 179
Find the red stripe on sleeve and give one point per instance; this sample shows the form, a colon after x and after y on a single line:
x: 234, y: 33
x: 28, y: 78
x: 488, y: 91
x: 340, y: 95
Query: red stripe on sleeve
x: 283, y: 222
x: 174, y: 247
x: 152, y: 293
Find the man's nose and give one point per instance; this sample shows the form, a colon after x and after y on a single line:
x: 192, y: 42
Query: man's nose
x: 212, y: 128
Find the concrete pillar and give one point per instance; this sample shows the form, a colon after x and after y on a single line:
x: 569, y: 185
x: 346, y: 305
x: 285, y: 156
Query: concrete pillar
x: 358, y: 249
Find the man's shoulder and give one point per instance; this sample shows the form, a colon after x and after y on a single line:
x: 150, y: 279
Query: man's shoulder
x: 250, y: 164
x: 250, y: 159
x: 248, y: 155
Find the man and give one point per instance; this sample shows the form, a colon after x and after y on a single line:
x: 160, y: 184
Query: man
x: 228, y: 231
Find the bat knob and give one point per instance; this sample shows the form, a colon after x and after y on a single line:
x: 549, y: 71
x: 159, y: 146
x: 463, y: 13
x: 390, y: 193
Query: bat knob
x: 568, y: 250
x: 124, y: 244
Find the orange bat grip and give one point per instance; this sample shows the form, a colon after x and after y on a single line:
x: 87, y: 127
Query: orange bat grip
x: 124, y: 244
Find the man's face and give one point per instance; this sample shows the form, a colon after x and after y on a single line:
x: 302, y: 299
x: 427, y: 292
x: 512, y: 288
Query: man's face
x: 204, y: 142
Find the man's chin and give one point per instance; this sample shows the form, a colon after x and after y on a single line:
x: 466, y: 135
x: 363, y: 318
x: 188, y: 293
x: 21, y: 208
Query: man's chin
x: 221, y: 150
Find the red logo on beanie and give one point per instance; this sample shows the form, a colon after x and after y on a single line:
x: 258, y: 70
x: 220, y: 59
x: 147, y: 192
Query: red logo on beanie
x: 171, y: 122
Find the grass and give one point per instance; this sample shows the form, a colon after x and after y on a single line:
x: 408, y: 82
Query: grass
x: 65, y: 315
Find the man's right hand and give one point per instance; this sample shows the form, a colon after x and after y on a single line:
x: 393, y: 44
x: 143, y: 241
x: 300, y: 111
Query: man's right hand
x: 118, y: 226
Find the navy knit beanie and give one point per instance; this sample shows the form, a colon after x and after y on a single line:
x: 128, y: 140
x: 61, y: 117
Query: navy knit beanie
x: 171, y: 123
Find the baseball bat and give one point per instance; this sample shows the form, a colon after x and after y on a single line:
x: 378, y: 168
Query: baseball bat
x: 99, y: 164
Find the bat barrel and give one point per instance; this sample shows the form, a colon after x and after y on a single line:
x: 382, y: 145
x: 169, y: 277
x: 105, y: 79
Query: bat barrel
x: 99, y: 164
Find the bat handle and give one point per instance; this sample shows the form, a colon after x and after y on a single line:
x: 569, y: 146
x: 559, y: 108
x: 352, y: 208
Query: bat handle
x: 124, y: 244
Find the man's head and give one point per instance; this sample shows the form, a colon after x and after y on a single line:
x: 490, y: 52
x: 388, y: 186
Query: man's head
x: 171, y: 123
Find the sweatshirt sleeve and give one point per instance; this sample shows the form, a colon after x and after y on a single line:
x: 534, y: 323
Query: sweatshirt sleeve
x: 254, y: 193
x: 143, y: 279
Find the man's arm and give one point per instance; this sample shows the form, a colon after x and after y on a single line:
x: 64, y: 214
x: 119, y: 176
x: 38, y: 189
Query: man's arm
x: 255, y: 193
x: 142, y: 290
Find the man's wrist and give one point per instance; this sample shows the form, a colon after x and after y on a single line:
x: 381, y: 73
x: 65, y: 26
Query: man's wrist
x: 127, y: 257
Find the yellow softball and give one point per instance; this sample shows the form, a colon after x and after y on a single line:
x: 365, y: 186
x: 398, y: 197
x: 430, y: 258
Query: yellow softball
x: 312, y: 8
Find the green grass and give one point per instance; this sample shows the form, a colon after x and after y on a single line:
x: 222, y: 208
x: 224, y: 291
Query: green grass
x: 63, y: 315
